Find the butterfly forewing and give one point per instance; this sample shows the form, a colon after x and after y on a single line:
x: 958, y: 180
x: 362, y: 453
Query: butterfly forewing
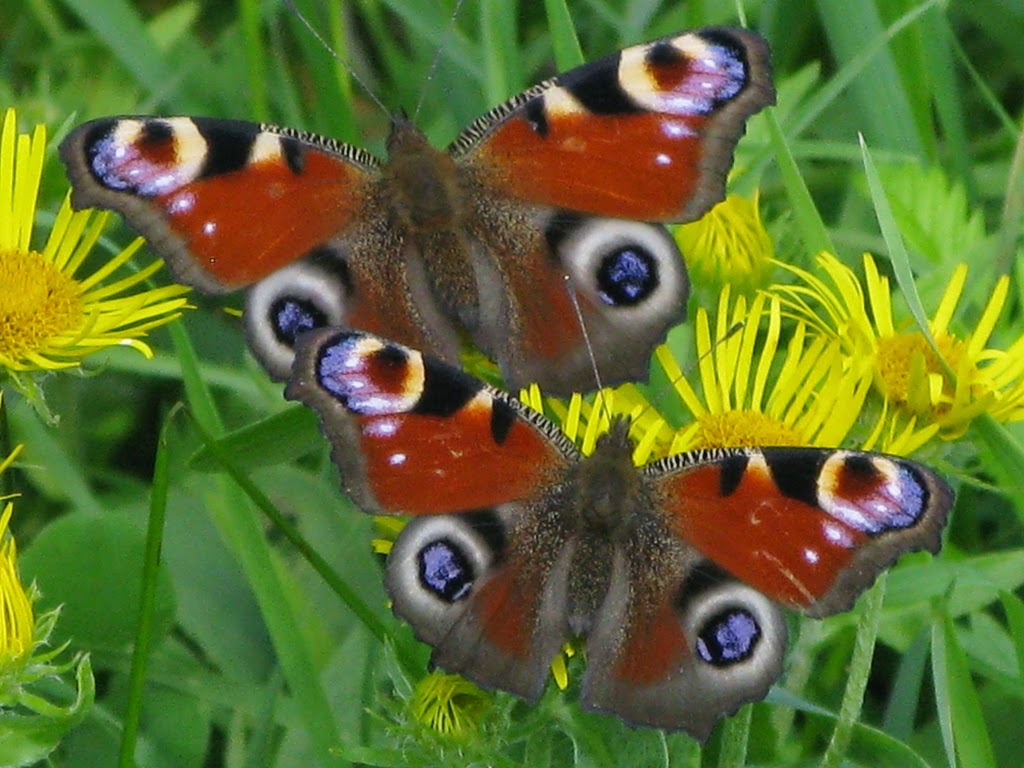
x: 225, y: 202
x: 646, y: 133
x: 415, y: 436
x: 810, y: 528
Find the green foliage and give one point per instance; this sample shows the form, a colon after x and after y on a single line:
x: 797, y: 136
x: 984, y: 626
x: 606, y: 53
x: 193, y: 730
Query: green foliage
x: 262, y: 652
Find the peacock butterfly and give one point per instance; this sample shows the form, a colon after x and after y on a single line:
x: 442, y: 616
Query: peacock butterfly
x: 552, y: 185
x: 675, y: 573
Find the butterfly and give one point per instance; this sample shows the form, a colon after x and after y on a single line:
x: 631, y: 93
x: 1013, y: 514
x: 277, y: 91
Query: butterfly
x: 675, y: 573
x: 551, y: 187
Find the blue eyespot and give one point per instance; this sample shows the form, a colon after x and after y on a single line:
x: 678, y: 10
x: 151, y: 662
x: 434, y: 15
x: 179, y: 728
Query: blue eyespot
x: 728, y: 637
x: 627, y: 276
x: 290, y: 316
x: 445, y: 570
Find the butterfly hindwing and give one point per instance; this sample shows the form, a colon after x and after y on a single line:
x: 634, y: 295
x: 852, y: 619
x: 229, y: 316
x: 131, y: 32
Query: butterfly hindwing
x: 680, y: 644
x: 627, y: 282
x: 487, y: 590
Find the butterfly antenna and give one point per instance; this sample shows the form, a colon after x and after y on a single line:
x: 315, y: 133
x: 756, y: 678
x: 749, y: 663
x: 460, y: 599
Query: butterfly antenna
x: 436, y: 61
x: 574, y: 297
x: 290, y: 5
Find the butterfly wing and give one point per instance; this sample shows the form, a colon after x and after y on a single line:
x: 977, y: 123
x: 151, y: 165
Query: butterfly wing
x: 544, y: 278
x: 684, y: 642
x: 415, y: 436
x: 224, y: 202
x: 809, y: 528
x: 487, y: 590
x: 646, y: 133
x: 678, y: 643
x: 485, y: 587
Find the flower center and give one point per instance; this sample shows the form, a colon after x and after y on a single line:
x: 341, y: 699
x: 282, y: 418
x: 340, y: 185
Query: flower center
x: 734, y: 429
x: 903, y: 355
x: 448, y: 704
x: 37, y: 302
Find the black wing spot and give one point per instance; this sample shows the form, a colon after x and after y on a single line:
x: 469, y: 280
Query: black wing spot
x: 597, y: 87
x: 536, y: 115
x: 445, y: 389
x: 294, y: 154
x: 332, y: 261
x: 664, y: 54
x: 627, y: 276
x: 732, y: 469
x: 445, y: 570
x: 503, y: 416
x: 155, y: 132
x: 289, y: 316
x: 797, y: 474
x: 228, y: 144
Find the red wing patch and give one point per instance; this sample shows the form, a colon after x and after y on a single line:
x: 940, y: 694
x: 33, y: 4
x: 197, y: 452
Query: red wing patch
x: 506, y: 606
x: 425, y: 465
x: 634, y: 166
x: 655, y: 648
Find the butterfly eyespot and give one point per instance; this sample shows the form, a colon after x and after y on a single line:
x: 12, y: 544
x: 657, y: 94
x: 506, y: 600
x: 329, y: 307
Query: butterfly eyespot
x: 290, y: 316
x: 301, y: 297
x: 445, y: 570
x: 438, y: 564
x: 622, y: 265
x: 728, y: 637
x: 627, y: 276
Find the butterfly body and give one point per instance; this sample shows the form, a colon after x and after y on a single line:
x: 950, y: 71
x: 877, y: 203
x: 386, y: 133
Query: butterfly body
x: 546, y: 194
x: 675, y: 573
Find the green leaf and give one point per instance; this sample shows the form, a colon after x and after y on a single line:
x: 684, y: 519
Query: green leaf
x: 230, y: 509
x: 278, y: 438
x: 150, y: 577
x: 92, y: 565
x: 933, y: 216
x: 29, y: 739
x: 965, y: 733
x: 1013, y: 606
x: 566, y: 44
x: 898, y: 254
x: 812, y: 229
x: 118, y: 24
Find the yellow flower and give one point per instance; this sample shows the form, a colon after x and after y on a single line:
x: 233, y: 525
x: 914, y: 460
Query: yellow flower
x: 921, y: 398
x: 728, y: 245
x: 17, y: 622
x: 51, y: 316
x: 813, y: 397
x: 35, y: 718
x: 388, y: 528
x: 449, y: 705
